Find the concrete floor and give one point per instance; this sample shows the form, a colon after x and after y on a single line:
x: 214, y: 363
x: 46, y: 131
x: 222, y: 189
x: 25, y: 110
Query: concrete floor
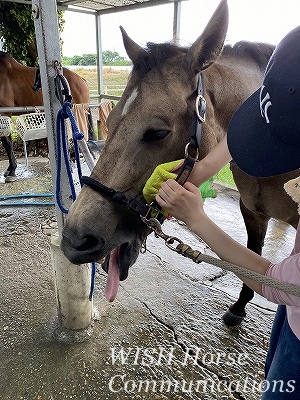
x: 162, y: 338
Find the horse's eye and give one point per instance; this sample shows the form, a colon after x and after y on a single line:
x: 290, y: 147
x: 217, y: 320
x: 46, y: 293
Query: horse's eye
x: 152, y: 135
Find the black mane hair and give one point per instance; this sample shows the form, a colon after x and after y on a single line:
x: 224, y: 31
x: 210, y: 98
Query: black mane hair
x: 257, y: 51
x: 3, y: 54
x: 158, y: 53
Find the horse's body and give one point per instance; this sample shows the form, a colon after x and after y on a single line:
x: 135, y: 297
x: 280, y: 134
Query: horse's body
x: 150, y: 125
x: 16, y: 81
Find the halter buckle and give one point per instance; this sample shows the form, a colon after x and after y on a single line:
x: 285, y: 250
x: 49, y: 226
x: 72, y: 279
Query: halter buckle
x: 190, y: 151
x: 200, y: 107
x: 153, y: 211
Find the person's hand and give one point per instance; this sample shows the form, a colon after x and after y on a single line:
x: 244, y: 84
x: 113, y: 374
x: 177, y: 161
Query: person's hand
x: 183, y: 202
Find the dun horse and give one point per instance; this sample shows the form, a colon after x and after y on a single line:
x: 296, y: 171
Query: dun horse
x: 16, y: 81
x: 150, y: 125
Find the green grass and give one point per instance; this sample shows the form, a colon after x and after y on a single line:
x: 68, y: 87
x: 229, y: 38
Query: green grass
x: 114, y: 81
x: 225, y: 176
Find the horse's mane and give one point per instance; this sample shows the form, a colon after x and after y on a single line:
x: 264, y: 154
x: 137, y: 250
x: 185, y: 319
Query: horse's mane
x: 7, y: 60
x: 255, y: 51
x: 4, y: 55
x: 158, y: 53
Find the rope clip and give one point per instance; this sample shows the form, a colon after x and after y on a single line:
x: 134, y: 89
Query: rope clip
x: 62, y: 88
x: 155, y: 226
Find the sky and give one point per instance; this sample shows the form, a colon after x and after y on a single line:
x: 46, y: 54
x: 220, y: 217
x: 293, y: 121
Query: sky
x: 255, y: 20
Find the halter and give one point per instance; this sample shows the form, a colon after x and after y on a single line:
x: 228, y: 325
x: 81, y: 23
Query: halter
x: 191, y: 155
x: 191, y: 149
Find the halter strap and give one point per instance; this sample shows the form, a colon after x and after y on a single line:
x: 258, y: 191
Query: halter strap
x: 191, y: 150
x: 118, y: 197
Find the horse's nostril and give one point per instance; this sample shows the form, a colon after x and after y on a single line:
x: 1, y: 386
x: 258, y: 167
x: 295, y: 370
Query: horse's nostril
x: 87, y: 243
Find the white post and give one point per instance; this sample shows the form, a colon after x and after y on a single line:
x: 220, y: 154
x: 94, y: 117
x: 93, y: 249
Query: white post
x: 75, y: 310
x: 176, y: 21
x: 99, y: 55
x: 72, y: 289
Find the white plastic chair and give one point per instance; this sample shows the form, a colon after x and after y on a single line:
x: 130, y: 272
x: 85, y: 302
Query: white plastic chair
x: 31, y: 127
x: 5, y: 125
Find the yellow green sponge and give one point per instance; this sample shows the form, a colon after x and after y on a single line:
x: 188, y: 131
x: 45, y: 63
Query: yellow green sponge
x: 166, y: 171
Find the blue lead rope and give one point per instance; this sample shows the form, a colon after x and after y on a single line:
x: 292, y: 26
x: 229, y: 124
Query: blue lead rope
x: 62, y: 151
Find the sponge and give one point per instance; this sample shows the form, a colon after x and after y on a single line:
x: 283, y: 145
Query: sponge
x: 166, y: 171
x: 161, y: 173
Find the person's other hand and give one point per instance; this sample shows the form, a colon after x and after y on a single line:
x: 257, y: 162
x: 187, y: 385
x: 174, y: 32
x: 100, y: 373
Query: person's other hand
x: 183, y: 202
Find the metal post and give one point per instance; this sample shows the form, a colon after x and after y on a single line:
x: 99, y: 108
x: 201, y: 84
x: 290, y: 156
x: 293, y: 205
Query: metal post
x: 176, y: 21
x: 99, y: 54
x: 72, y: 281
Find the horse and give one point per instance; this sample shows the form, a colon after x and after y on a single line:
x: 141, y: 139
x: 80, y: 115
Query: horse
x: 150, y: 125
x: 16, y: 89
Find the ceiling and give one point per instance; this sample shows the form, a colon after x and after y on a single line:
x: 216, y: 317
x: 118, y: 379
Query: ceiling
x: 102, y: 6
x: 105, y: 6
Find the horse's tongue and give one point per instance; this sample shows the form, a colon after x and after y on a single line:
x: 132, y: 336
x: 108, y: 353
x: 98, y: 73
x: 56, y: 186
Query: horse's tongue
x: 113, y: 276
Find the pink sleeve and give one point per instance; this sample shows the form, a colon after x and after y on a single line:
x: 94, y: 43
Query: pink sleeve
x: 287, y: 271
x: 296, y: 248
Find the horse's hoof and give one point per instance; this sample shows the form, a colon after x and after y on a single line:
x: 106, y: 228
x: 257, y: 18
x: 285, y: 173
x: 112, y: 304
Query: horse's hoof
x: 231, y: 319
x: 8, y: 172
x: 9, y: 179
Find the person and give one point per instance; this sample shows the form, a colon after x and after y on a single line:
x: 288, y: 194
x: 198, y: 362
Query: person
x: 263, y: 139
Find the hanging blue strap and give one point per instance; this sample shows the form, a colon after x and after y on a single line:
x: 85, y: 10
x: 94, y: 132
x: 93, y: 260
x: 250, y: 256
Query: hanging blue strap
x: 93, y: 275
x: 62, y: 152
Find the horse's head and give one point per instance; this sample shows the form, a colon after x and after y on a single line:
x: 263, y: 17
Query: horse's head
x: 149, y: 126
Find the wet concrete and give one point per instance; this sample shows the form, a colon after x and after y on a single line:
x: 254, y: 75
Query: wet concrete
x: 166, y: 318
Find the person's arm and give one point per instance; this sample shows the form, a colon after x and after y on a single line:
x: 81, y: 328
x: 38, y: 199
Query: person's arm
x: 211, y: 164
x: 185, y: 204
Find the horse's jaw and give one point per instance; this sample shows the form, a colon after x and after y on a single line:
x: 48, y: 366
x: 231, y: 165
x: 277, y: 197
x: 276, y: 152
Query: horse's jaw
x: 119, y: 248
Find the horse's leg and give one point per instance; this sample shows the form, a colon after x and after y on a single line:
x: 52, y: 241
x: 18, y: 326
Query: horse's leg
x: 91, y: 131
x: 8, y: 146
x: 256, y: 226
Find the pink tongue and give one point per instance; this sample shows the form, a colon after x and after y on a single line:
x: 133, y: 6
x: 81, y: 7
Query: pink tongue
x: 113, y: 276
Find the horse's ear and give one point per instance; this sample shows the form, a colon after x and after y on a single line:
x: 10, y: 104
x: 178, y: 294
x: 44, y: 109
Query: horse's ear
x: 133, y: 50
x: 206, y: 49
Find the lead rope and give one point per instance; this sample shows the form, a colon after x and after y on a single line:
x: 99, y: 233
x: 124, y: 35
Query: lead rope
x: 196, y: 255
x: 65, y: 98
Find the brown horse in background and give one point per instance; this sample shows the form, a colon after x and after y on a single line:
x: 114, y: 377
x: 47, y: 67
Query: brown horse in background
x: 16, y: 81
x: 150, y: 125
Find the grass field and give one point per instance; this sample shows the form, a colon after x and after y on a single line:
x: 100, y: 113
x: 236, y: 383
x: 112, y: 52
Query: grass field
x: 225, y: 176
x: 115, y: 82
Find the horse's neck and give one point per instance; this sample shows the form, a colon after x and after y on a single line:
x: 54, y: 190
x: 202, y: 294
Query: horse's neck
x: 226, y: 87
x: 208, y: 142
x: 213, y: 130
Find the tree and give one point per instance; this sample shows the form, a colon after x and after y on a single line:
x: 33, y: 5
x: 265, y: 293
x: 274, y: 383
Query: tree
x: 88, y: 59
x: 17, y: 31
x: 112, y: 58
x: 108, y: 58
